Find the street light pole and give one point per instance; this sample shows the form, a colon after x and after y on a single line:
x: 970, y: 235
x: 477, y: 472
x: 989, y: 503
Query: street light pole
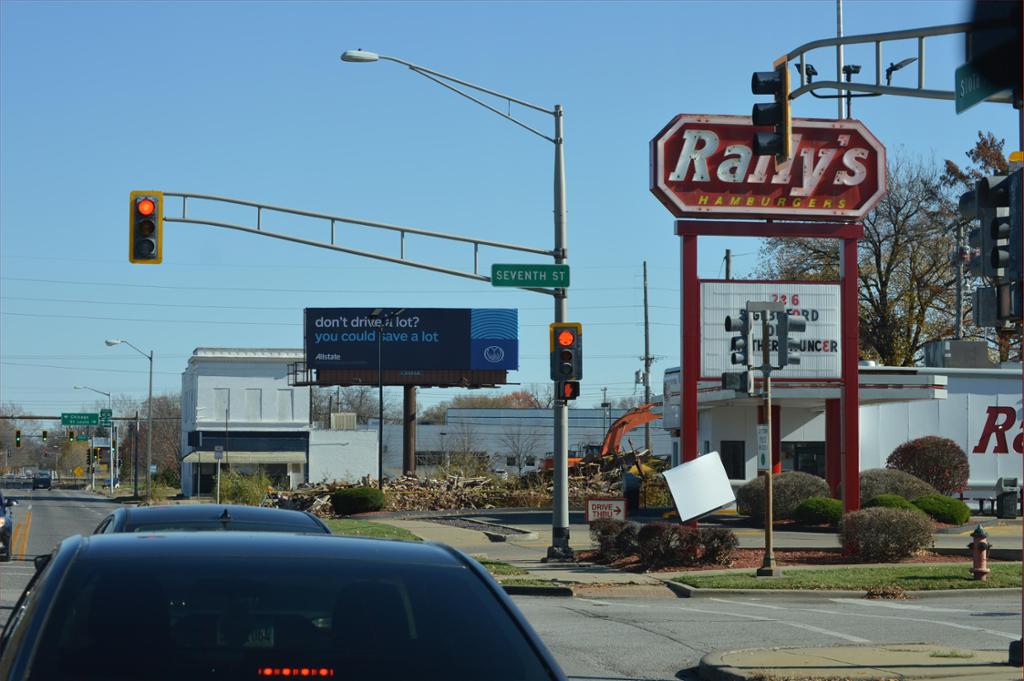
x: 110, y: 406
x: 559, y: 549
x: 149, y: 408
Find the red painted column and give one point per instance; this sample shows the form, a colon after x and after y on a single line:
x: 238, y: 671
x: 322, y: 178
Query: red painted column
x: 851, y: 377
x: 833, y: 446
x: 776, y: 435
x: 690, y: 349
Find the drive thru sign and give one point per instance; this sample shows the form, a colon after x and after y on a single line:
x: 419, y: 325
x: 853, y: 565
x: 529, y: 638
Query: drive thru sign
x: 598, y: 508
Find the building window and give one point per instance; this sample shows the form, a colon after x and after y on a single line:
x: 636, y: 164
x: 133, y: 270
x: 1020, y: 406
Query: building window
x: 510, y: 461
x: 734, y: 458
x: 221, y: 404
x: 429, y: 458
x: 285, y: 408
x: 531, y: 461
x: 253, y: 404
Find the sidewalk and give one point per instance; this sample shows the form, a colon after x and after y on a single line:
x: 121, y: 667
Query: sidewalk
x: 902, y: 661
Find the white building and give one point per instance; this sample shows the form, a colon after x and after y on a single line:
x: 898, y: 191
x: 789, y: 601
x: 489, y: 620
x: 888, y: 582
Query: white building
x: 977, y: 408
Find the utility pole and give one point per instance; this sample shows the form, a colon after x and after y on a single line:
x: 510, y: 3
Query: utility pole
x: 839, y: 56
x: 605, y: 407
x: 958, y: 255
x: 647, y: 364
x: 728, y: 268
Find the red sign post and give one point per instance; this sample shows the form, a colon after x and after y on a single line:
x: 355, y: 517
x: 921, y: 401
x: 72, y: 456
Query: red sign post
x: 703, y: 166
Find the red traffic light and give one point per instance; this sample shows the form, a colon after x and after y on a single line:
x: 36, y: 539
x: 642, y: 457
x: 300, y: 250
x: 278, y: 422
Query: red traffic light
x: 145, y: 206
x: 565, y: 338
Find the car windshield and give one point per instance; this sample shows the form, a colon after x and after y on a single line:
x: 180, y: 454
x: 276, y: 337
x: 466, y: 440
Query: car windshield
x: 218, y: 526
x: 231, y: 618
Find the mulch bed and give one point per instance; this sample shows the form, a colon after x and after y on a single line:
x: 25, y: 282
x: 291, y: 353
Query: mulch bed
x: 752, y: 558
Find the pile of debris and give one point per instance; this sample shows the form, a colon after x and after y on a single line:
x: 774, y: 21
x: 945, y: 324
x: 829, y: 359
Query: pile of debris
x: 408, y: 493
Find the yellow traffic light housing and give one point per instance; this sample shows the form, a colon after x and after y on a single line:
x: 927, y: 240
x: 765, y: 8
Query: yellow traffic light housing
x: 146, y: 227
x: 776, y: 114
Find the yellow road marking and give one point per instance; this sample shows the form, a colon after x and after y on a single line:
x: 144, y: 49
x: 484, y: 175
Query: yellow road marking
x: 23, y: 540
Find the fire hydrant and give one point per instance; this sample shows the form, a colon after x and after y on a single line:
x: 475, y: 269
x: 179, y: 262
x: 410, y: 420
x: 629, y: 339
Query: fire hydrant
x: 979, y: 551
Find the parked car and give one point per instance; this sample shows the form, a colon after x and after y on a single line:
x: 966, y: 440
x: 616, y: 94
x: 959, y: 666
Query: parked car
x: 209, y: 517
x: 42, y: 480
x: 6, y: 527
x: 247, y: 605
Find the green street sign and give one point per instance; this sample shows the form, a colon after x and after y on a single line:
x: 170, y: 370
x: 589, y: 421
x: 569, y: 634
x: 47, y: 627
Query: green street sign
x: 82, y: 438
x: 530, y: 276
x: 971, y: 88
x: 105, y: 416
x: 75, y: 419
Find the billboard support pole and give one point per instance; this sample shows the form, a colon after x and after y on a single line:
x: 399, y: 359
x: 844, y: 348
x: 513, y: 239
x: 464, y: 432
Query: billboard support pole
x: 851, y: 380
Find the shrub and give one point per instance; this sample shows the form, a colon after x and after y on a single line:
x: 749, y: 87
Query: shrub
x: 885, y: 534
x: 877, y: 481
x: 666, y: 544
x: 889, y: 501
x: 718, y: 545
x: 789, y: 490
x: 938, y: 461
x: 353, y: 500
x: 819, y: 511
x: 168, y: 477
x: 240, y: 488
x: 614, y: 539
x: 944, y: 509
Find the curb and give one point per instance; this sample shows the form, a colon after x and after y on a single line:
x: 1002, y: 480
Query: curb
x: 712, y: 668
x: 687, y: 591
x: 524, y: 590
x: 994, y: 553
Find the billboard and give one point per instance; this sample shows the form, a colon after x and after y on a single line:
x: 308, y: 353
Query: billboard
x: 703, y: 166
x: 416, y: 339
x: 817, y: 303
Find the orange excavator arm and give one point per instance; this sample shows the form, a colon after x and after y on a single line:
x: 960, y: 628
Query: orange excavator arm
x: 625, y: 423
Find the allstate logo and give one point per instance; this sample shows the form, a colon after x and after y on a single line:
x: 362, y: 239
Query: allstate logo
x: 494, y: 354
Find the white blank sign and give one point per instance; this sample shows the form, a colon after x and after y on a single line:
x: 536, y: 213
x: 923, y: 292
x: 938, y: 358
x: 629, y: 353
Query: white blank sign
x: 700, y: 486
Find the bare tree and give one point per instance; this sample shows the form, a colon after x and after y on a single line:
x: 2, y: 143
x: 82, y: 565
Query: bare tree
x: 360, y: 400
x: 521, y: 444
x: 906, y: 275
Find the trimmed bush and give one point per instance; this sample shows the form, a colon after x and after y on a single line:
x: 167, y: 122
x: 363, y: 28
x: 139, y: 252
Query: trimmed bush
x: 789, y: 490
x: 877, y: 481
x: 242, y: 488
x: 882, y: 535
x: 664, y: 544
x: 819, y: 511
x: 614, y: 539
x: 890, y: 501
x: 938, y: 461
x: 718, y: 545
x: 352, y: 500
x: 944, y: 509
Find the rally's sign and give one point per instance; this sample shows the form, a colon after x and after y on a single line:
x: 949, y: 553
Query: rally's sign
x: 996, y: 437
x: 703, y: 166
x: 817, y: 303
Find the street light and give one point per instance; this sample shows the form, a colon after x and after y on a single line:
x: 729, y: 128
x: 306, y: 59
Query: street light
x: 559, y: 549
x: 110, y: 406
x: 381, y: 315
x: 149, y: 407
x: 893, y: 68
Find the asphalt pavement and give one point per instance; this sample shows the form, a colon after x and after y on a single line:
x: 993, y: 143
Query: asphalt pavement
x: 664, y: 638
x: 44, y: 517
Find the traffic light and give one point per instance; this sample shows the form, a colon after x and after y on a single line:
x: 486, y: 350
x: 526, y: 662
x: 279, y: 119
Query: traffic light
x: 989, y: 204
x: 17, y: 438
x: 566, y: 351
x: 777, y: 114
x: 568, y: 390
x: 789, y: 347
x: 742, y: 344
x: 71, y: 436
x: 146, y: 228
x: 44, y: 436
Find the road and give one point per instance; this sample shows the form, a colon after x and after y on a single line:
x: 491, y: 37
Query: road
x: 42, y: 518
x: 626, y: 638
x: 619, y: 638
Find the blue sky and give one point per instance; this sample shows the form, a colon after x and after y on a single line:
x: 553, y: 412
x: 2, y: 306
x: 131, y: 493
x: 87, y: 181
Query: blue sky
x: 249, y: 100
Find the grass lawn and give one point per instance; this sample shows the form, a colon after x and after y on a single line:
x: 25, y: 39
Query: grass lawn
x: 500, y: 569
x: 367, y: 528
x: 909, y: 577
